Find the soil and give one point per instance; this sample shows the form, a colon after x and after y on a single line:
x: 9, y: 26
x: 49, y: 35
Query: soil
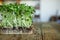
x: 15, y: 30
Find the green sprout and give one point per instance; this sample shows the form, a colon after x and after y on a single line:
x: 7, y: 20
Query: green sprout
x: 14, y: 15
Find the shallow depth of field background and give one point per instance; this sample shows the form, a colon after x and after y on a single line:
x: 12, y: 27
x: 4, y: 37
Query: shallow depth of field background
x: 43, y: 29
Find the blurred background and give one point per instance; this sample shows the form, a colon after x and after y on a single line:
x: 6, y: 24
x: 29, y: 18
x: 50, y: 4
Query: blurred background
x: 47, y: 14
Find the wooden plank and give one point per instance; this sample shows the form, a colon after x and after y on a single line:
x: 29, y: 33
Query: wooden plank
x: 49, y: 32
x: 35, y: 36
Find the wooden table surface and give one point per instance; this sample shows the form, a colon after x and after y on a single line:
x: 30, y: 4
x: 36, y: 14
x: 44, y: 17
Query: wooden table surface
x: 41, y: 31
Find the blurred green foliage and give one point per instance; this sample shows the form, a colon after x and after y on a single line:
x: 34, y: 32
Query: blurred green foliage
x: 16, y: 15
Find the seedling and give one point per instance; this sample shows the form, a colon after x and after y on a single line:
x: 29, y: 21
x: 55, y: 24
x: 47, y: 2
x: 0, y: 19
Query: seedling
x: 16, y: 15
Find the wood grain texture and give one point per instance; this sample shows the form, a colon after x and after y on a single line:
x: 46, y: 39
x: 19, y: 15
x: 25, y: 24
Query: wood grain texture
x: 49, y: 31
